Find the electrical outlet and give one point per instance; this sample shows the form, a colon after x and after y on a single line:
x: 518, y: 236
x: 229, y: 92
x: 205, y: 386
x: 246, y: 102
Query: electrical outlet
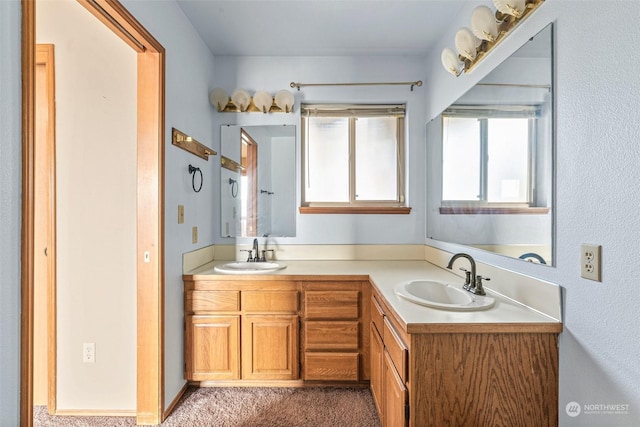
x: 180, y: 214
x: 590, y: 261
x: 89, y: 352
x: 194, y: 235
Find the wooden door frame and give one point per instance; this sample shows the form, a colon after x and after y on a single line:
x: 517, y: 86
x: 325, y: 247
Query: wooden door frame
x: 45, y: 57
x: 150, y: 206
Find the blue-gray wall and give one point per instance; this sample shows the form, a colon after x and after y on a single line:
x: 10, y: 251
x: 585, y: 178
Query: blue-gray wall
x: 10, y: 189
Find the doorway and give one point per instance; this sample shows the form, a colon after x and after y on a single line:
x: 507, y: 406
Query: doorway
x: 149, y: 251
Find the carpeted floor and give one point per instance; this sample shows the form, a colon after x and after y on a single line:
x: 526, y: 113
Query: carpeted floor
x: 250, y: 407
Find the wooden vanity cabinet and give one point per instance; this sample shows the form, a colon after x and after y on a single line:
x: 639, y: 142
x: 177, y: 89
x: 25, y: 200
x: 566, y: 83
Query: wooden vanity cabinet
x: 270, y: 335
x: 212, y: 329
x: 335, y: 335
x: 250, y: 330
x: 463, y: 374
x: 389, y: 357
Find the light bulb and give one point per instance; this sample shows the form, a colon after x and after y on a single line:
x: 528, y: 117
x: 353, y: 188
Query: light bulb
x: 511, y: 7
x: 483, y: 24
x: 466, y: 44
x: 450, y: 62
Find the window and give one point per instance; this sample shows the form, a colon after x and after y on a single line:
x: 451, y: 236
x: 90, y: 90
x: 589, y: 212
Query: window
x: 488, y: 156
x: 353, y: 158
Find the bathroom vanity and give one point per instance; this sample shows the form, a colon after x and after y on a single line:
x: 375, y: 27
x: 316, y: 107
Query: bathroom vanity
x: 267, y: 327
x: 340, y: 323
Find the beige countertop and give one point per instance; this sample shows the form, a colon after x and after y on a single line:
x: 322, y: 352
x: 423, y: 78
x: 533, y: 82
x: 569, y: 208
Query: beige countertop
x: 506, y: 315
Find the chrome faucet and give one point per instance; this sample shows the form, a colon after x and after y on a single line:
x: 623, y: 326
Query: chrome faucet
x: 473, y: 282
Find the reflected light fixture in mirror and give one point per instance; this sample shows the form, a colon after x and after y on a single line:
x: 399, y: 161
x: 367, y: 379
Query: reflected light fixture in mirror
x: 488, y: 29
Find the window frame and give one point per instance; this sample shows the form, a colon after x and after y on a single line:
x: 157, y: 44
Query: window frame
x: 352, y: 112
x: 482, y: 206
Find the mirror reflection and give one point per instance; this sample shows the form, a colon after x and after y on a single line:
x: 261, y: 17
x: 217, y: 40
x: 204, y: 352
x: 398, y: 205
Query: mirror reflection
x: 490, y: 160
x: 258, y: 184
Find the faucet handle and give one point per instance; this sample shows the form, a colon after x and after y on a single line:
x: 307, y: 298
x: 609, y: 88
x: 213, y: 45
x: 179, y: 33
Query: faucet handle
x: 467, y: 279
x: 250, y: 258
x: 478, y: 289
x: 263, y: 258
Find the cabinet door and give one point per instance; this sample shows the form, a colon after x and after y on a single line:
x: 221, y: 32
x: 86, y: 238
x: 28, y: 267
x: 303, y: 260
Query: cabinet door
x: 270, y: 347
x: 212, y: 348
x: 395, y: 396
x: 377, y: 369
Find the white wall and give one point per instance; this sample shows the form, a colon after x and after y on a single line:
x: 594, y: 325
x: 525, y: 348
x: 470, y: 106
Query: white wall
x: 10, y: 199
x: 96, y: 207
x: 598, y: 121
x: 189, y: 79
x: 275, y: 73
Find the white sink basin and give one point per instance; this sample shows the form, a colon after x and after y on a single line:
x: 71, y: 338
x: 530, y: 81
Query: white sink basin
x: 243, y: 267
x: 441, y: 295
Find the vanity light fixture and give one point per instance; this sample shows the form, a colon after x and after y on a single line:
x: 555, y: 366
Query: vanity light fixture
x: 484, y: 24
x: 511, y: 7
x: 488, y: 29
x: 284, y: 100
x: 451, y: 62
x: 262, y: 101
x: 241, y: 99
x: 467, y: 44
x: 219, y: 98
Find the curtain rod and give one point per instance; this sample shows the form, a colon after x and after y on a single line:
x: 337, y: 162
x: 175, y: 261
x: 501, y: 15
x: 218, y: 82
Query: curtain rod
x: 412, y: 84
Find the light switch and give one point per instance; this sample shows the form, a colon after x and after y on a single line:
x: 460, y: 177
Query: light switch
x: 194, y: 235
x: 180, y: 214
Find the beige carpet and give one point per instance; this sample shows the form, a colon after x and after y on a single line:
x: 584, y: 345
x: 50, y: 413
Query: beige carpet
x: 250, y: 407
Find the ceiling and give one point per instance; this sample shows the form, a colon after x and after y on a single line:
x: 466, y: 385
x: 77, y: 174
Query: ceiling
x: 320, y: 27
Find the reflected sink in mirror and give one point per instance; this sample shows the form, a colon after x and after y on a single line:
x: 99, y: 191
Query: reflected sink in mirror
x: 243, y: 267
x: 441, y: 295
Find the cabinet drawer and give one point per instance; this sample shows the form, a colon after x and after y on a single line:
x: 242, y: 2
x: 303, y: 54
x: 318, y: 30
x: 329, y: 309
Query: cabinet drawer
x: 331, y: 335
x: 331, y: 366
x: 396, y: 349
x: 331, y: 304
x: 377, y: 315
x: 270, y: 301
x: 203, y: 301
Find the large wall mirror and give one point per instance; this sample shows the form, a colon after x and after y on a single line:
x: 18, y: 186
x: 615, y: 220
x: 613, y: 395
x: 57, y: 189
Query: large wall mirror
x: 258, y: 181
x: 490, y: 159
